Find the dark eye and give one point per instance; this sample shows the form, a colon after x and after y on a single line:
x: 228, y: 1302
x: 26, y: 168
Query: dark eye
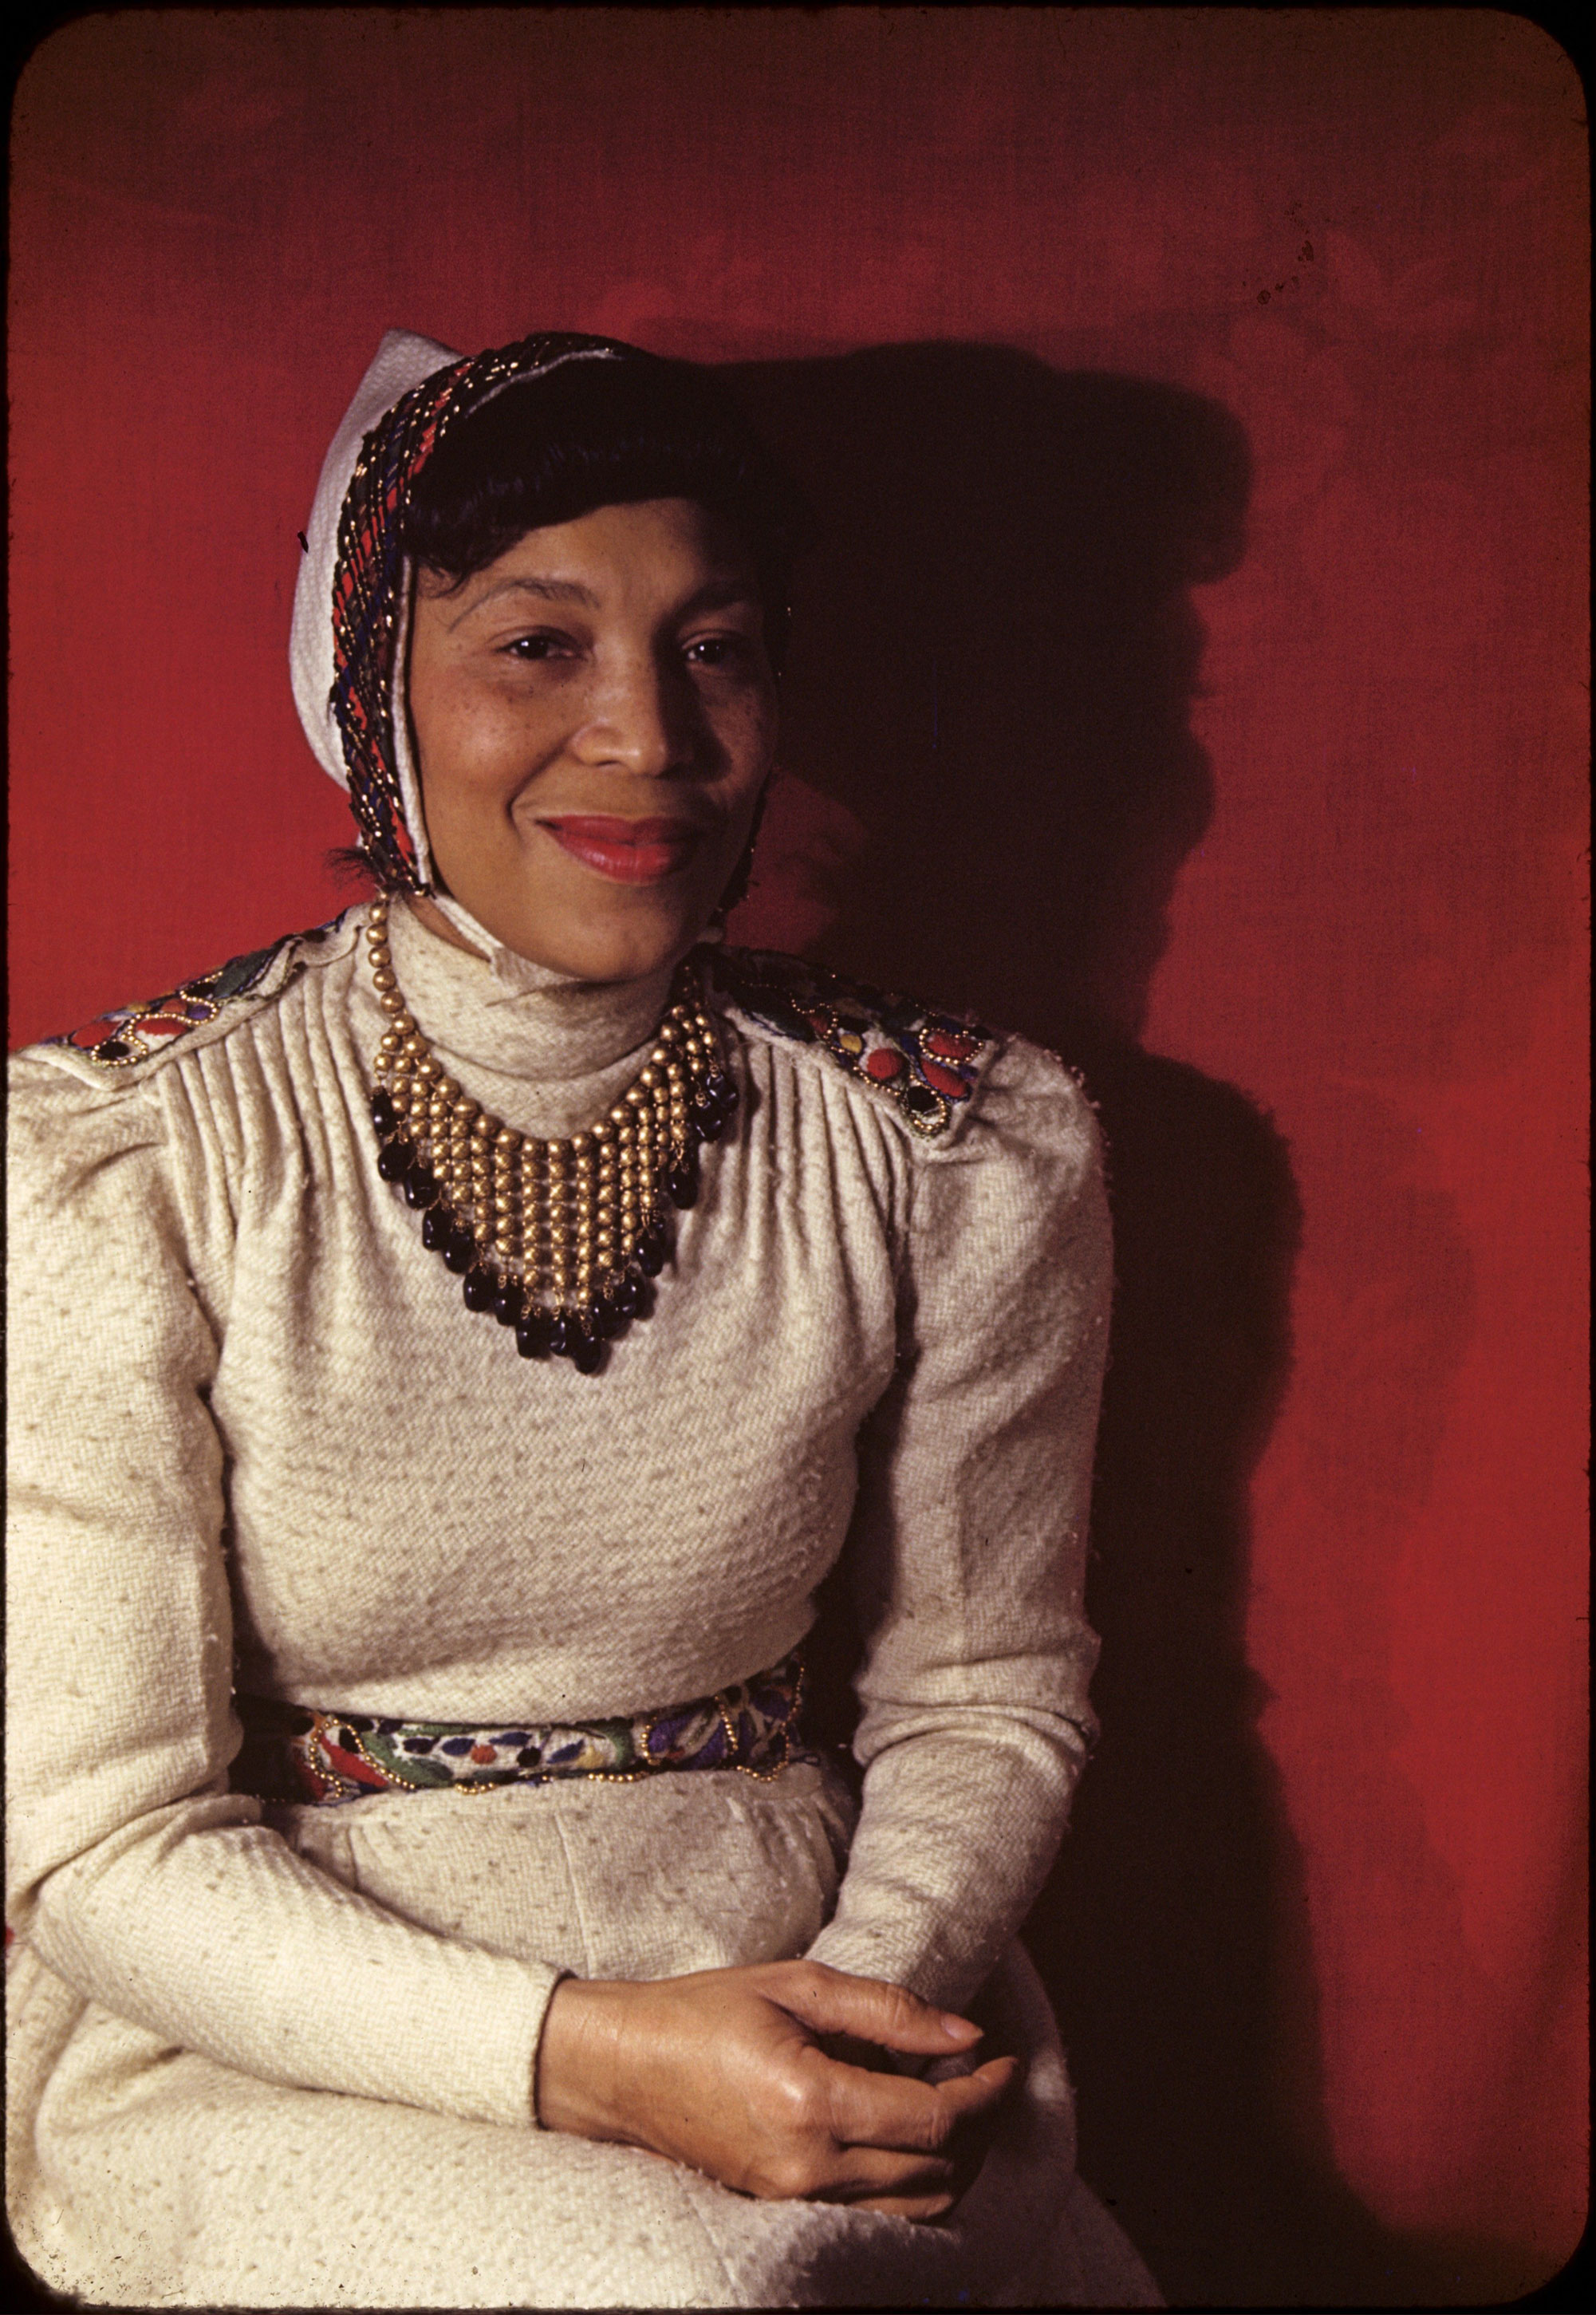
x: 545, y: 644
x: 718, y: 651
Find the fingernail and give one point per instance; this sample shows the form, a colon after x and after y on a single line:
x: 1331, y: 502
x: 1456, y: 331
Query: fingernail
x: 958, y: 2029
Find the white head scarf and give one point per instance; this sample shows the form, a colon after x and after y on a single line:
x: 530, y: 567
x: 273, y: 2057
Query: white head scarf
x: 403, y: 360
x: 379, y: 439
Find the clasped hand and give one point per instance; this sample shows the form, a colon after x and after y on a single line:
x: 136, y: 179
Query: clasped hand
x: 728, y: 2070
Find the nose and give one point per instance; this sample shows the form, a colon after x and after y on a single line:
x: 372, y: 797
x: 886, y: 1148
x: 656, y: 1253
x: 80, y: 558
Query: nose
x: 639, y: 720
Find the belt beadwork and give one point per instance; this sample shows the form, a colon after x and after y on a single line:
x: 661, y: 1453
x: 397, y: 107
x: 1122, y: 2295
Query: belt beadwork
x: 295, y: 1754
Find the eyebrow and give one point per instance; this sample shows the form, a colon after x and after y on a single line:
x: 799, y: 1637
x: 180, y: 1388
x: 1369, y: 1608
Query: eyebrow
x: 720, y: 594
x: 547, y: 590
x: 715, y: 595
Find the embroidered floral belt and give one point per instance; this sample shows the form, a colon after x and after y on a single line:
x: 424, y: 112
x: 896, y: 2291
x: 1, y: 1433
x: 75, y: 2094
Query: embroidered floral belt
x: 292, y: 1752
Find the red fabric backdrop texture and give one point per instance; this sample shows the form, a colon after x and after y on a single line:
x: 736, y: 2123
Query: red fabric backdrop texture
x: 1315, y: 1940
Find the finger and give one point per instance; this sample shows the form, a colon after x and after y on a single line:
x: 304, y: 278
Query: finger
x: 893, y: 2110
x: 969, y: 2095
x: 866, y: 2173
x: 936, y: 2070
x: 885, y: 2110
x: 849, y: 2050
x: 829, y: 2002
x: 921, y: 2207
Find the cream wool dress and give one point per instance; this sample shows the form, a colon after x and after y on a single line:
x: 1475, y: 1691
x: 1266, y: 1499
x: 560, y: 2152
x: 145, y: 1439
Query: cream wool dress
x: 258, y: 1442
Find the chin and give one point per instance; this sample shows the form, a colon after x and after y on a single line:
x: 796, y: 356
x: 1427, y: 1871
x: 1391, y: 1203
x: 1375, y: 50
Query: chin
x: 641, y: 942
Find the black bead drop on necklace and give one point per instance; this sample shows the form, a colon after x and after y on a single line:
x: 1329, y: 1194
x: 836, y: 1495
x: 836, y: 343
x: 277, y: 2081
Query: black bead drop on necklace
x: 558, y: 1241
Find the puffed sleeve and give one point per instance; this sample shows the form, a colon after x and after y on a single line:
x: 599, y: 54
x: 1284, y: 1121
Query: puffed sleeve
x: 968, y: 1546
x: 132, y: 1872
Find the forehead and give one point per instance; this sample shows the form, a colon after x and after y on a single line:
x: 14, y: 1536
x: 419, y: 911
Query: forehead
x: 638, y: 548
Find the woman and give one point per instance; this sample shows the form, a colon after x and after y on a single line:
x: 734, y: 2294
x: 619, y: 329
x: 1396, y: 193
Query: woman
x: 450, y: 1349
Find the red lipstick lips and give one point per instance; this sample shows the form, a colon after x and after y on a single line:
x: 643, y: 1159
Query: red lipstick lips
x: 627, y: 851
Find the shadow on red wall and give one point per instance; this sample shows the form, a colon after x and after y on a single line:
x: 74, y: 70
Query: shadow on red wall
x: 996, y: 650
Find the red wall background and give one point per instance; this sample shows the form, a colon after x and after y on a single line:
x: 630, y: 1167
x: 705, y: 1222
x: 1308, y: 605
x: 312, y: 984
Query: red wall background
x: 1315, y: 1940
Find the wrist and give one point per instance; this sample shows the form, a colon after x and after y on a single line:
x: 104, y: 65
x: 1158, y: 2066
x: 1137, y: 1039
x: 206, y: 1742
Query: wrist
x: 574, y: 2076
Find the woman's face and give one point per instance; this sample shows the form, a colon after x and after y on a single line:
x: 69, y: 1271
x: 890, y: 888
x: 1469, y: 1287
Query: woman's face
x: 594, y: 716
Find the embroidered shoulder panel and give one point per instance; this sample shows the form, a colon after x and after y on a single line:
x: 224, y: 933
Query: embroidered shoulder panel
x: 929, y: 1063
x: 132, y: 1034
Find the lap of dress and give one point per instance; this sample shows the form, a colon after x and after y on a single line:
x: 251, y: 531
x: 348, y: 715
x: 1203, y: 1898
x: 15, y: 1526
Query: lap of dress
x: 145, y: 2174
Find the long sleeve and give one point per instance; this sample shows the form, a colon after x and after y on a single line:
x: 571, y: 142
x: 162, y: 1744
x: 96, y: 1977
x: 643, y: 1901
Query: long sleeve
x: 969, y: 1540
x: 132, y: 1872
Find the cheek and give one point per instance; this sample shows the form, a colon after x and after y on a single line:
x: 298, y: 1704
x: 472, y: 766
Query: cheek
x: 745, y: 729
x: 470, y: 743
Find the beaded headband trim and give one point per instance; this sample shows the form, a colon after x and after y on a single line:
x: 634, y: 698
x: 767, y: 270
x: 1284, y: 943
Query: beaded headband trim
x: 370, y: 585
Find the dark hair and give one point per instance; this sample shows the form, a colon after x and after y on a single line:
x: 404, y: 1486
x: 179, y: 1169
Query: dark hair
x: 604, y: 432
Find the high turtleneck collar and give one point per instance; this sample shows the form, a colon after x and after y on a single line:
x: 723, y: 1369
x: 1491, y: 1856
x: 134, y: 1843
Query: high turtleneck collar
x: 525, y: 1038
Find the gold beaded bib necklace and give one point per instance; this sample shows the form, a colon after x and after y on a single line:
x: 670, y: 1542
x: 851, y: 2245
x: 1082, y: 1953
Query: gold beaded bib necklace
x: 559, y: 1240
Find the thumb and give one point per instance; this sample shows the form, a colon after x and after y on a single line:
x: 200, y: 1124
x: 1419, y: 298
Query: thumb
x: 829, y: 2002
